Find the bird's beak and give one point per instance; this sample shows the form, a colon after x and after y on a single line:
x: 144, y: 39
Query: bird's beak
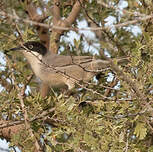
x: 15, y: 49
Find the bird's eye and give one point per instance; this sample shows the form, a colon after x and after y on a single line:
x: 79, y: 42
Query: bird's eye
x: 30, y: 46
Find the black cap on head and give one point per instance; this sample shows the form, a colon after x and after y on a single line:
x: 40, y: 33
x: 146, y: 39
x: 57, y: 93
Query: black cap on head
x: 33, y: 46
x: 36, y: 46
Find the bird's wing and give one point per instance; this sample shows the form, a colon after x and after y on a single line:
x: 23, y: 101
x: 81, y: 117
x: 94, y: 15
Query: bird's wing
x: 61, y: 60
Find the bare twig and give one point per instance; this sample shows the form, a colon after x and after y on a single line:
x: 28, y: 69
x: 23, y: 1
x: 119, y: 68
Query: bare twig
x: 41, y: 115
x: 77, y: 29
x: 86, y: 12
x: 150, y: 126
x: 127, y: 143
x: 113, y: 83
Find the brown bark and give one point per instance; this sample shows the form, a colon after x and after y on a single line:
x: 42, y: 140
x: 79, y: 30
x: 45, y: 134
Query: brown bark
x: 7, y: 131
x: 57, y: 21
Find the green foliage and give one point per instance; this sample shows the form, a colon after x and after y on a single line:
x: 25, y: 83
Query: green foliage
x: 140, y: 131
x: 24, y: 140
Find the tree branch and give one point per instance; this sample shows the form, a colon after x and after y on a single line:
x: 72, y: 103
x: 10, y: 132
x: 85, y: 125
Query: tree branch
x: 56, y: 12
x: 120, y: 25
x: 74, y: 13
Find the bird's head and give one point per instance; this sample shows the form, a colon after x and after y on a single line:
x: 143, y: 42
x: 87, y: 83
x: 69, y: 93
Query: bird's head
x: 31, y: 46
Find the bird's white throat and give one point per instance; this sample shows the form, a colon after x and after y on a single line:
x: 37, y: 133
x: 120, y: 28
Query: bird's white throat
x: 33, y: 54
x: 35, y: 59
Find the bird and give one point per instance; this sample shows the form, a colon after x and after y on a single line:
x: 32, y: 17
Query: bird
x: 60, y: 71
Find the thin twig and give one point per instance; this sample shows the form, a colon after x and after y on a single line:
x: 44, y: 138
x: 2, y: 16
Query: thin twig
x: 150, y: 126
x: 139, y: 19
x: 113, y: 83
x: 39, y: 116
x: 127, y: 142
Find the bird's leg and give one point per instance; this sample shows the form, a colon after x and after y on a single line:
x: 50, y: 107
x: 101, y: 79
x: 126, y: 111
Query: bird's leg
x: 44, y: 89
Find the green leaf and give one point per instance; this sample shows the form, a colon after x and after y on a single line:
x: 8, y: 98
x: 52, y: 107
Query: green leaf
x: 77, y: 43
x: 140, y: 130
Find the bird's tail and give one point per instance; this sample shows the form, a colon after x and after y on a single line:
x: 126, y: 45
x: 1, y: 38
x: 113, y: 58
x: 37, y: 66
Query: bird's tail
x: 103, y: 64
x: 99, y: 64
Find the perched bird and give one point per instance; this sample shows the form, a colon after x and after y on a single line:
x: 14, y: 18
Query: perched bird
x: 58, y: 71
